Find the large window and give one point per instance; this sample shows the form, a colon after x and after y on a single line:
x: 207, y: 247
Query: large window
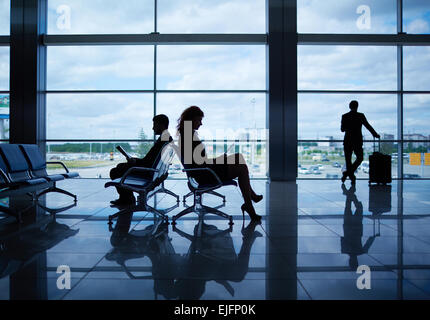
x: 331, y: 74
x: 4, y: 17
x: 99, y: 95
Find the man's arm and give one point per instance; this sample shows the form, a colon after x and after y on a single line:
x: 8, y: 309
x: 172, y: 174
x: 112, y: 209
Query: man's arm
x: 370, y: 128
x: 149, y: 158
x: 342, y: 124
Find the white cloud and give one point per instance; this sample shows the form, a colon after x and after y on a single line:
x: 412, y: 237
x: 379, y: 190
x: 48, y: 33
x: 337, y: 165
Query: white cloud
x: 347, y: 68
x: 333, y: 16
x: 103, y: 16
x: 4, y: 68
x: 4, y: 17
x: 418, y: 26
x: 202, y: 16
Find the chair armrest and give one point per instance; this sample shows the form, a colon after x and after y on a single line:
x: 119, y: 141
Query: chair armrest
x: 60, y: 163
x: 206, y: 169
x: 136, y: 169
x: 4, y: 176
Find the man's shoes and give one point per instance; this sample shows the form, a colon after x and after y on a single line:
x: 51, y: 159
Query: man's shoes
x: 353, y: 179
x: 121, y: 202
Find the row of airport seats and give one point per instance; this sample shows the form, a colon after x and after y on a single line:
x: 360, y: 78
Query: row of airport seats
x: 23, y: 170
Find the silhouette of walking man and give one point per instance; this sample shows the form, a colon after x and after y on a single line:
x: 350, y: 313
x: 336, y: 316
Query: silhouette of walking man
x: 353, y: 229
x: 353, y: 140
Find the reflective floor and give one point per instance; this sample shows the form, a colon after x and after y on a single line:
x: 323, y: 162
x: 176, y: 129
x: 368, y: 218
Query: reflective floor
x: 313, y: 237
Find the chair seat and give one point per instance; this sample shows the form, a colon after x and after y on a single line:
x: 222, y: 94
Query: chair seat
x: 224, y: 183
x: 33, y: 182
x: 135, y: 182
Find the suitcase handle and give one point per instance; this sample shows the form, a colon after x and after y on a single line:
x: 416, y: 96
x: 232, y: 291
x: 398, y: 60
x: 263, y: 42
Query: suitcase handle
x: 379, y: 144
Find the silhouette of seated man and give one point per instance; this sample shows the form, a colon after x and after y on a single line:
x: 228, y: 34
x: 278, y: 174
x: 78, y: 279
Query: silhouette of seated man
x: 353, y: 140
x: 353, y: 229
x: 160, y: 127
x: 136, y: 244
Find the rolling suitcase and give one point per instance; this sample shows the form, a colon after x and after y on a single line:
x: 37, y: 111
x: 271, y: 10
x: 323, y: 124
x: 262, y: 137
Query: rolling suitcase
x: 379, y: 166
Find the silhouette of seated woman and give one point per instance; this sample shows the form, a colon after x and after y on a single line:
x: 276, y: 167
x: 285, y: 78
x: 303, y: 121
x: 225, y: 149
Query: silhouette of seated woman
x: 353, y: 229
x: 353, y: 140
x: 160, y: 127
x: 211, y: 256
x: 193, y: 155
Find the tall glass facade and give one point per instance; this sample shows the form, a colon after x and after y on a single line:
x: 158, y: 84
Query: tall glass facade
x: 107, y: 94
x: 389, y: 81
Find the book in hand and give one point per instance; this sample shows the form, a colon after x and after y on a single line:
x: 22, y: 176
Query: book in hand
x: 126, y: 155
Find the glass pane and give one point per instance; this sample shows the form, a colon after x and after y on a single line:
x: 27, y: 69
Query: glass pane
x: 347, y: 68
x: 100, y: 16
x: 99, y: 116
x: 211, y: 67
x: 4, y: 17
x: 416, y: 157
x: 326, y: 160
x: 320, y: 115
x: 333, y: 16
x: 4, y: 116
x: 101, y: 68
x: 92, y: 159
x: 416, y: 66
x: 416, y: 160
x: 246, y: 121
x: 202, y: 16
x: 4, y: 68
x: 416, y: 16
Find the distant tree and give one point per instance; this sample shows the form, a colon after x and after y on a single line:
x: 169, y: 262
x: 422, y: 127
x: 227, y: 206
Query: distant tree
x: 143, y: 147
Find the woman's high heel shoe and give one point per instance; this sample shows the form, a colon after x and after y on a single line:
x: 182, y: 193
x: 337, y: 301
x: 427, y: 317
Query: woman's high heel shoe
x: 250, y: 211
x: 257, y: 198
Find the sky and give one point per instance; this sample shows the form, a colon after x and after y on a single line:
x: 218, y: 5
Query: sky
x: 120, y: 116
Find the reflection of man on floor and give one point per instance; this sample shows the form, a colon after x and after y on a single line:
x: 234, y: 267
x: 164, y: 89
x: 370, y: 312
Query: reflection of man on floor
x: 353, y: 229
x: 353, y: 140
x: 160, y: 126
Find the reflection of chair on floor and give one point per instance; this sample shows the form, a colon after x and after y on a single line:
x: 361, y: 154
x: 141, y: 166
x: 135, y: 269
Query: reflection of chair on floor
x: 144, y: 187
x: 22, y: 246
x: 211, y: 256
x: 16, y: 206
x: 15, y: 211
x: 135, y: 244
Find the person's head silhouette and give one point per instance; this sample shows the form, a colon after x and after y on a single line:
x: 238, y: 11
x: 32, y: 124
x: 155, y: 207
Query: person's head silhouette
x: 353, y: 105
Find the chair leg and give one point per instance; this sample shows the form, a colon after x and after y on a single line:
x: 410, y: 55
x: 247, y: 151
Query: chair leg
x: 217, y: 194
x: 58, y: 190
x: 172, y: 194
x: 218, y: 213
x: 182, y: 213
x: 187, y: 195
